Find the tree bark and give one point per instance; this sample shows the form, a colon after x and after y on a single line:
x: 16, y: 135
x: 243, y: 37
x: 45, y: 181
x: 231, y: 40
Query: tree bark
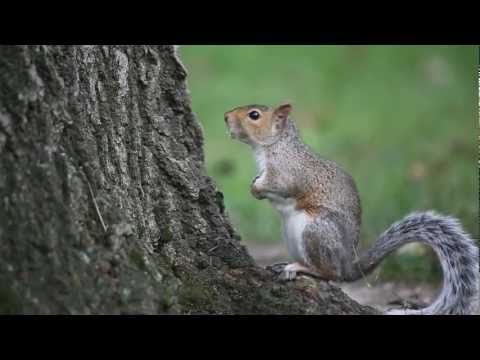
x: 105, y: 205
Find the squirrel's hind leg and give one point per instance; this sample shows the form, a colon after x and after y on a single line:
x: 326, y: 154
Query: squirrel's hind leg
x: 324, y: 249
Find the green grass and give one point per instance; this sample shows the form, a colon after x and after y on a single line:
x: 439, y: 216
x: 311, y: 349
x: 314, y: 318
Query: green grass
x: 402, y: 120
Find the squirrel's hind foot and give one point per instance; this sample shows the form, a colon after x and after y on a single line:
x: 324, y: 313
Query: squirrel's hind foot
x: 286, y: 271
x: 277, y: 268
x: 289, y: 271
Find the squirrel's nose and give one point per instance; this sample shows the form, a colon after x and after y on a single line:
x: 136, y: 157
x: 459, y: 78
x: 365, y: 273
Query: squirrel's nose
x: 226, y: 117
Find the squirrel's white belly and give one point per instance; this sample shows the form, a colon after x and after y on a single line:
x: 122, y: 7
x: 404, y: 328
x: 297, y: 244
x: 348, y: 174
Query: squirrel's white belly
x: 294, y: 222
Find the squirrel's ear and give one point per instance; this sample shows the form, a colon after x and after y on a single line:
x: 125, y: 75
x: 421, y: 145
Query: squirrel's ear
x: 280, y: 115
x: 283, y: 110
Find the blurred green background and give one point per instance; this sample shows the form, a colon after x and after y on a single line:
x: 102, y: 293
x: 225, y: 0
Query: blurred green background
x: 401, y: 119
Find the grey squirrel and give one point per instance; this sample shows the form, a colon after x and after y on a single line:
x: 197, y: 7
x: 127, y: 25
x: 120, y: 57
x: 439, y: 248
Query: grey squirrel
x: 321, y: 214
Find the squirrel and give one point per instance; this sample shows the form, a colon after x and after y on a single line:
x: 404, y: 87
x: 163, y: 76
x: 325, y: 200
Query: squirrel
x: 321, y: 214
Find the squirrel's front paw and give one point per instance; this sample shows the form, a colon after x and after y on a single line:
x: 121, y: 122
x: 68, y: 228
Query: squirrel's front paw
x: 255, y: 190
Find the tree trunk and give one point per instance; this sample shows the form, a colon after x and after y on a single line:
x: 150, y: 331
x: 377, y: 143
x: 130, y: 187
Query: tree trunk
x: 105, y: 205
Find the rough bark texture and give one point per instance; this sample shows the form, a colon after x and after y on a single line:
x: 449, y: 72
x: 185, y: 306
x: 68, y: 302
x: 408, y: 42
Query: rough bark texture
x: 105, y: 206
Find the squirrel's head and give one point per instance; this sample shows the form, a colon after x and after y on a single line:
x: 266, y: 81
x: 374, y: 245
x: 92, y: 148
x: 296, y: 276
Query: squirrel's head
x: 257, y: 124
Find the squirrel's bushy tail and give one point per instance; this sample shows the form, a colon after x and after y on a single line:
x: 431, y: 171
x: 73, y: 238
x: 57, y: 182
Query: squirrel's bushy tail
x: 455, y: 249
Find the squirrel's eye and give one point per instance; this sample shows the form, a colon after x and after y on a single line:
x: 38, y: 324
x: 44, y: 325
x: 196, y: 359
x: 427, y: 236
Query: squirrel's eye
x: 254, y: 115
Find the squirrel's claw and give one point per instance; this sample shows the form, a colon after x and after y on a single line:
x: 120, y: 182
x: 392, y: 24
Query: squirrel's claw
x: 288, y: 275
x: 277, y: 267
x: 284, y: 269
